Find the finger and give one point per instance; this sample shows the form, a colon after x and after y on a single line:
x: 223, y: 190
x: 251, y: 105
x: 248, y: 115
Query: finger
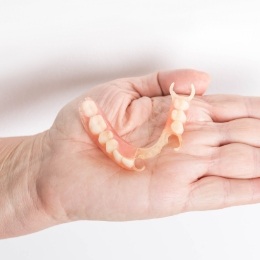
x: 216, y: 192
x: 238, y: 161
x: 183, y: 80
x: 227, y: 107
x: 157, y: 84
x: 244, y: 131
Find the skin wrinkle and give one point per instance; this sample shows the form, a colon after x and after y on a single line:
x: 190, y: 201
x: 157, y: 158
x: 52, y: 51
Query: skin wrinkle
x: 201, y: 115
x: 225, y: 133
x: 196, y: 184
x: 149, y: 130
x: 128, y: 136
x: 10, y: 211
x: 144, y: 82
x: 14, y: 197
x: 125, y: 117
x: 247, y: 106
x: 159, y: 83
x: 232, y: 131
x: 227, y: 191
x: 142, y: 100
x: 6, y: 162
x: 34, y: 197
x: 123, y: 114
x: 47, y: 210
x: 214, y: 127
x: 253, y: 156
x: 254, y: 190
x: 255, y: 162
x: 185, y: 207
x: 42, y: 205
x: 220, y: 139
x: 153, y: 129
x: 237, y: 153
x: 133, y: 89
x: 245, y: 127
x: 214, y: 114
x: 30, y: 170
x: 206, y: 162
x: 109, y: 101
x: 189, y: 205
x: 213, y: 161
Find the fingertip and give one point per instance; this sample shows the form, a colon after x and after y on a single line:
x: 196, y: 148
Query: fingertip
x: 204, y: 80
x: 183, y: 79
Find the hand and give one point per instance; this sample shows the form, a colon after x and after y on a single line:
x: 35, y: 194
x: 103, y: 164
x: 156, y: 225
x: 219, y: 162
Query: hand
x: 217, y: 165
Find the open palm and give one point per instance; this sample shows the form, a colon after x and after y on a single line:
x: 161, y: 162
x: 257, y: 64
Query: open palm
x: 217, y: 165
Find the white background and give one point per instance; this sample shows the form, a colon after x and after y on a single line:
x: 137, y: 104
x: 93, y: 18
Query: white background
x: 52, y: 51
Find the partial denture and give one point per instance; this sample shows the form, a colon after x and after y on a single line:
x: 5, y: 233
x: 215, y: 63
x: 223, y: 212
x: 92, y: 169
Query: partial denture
x: 123, y: 153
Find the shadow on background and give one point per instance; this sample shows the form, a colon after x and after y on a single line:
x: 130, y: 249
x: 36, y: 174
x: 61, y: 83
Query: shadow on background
x: 38, y: 84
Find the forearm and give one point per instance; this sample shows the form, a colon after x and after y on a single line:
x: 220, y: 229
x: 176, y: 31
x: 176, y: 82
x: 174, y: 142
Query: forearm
x: 20, y: 209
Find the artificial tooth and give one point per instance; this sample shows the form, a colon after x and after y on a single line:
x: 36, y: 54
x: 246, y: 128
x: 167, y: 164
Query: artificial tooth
x: 179, y: 115
x: 89, y: 108
x: 128, y: 162
x: 97, y: 124
x: 177, y: 127
x: 181, y: 104
x: 118, y: 156
x: 111, y: 145
x: 105, y: 136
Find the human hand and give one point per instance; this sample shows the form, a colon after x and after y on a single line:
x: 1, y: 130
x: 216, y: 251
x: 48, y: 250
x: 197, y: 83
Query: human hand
x: 217, y: 165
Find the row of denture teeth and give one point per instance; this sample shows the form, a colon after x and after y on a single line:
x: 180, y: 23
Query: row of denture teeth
x: 98, y: 126
x: 178, y: 116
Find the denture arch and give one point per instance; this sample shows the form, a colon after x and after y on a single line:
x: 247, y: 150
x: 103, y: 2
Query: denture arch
x: 121, y: 152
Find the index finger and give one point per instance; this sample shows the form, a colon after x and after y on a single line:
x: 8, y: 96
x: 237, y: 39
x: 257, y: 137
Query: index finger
x: 224, y: 108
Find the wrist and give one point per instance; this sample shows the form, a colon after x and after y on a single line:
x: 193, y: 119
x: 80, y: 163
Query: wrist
x: 20, y: 164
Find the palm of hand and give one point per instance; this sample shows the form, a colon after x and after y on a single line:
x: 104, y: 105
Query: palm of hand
x: 88, y: 185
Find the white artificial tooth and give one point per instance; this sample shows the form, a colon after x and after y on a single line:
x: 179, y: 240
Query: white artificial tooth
x: 181, y: 104
x: 97, y: 124
x: 118, y: 156
x: 129, y: 163
x: 105, y: 136
x: 111, y: 145
x: 89, y: 108
x: 179, y: 115
x: 177, y: 127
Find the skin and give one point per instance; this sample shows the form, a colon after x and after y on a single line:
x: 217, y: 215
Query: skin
x: 60, y: 175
